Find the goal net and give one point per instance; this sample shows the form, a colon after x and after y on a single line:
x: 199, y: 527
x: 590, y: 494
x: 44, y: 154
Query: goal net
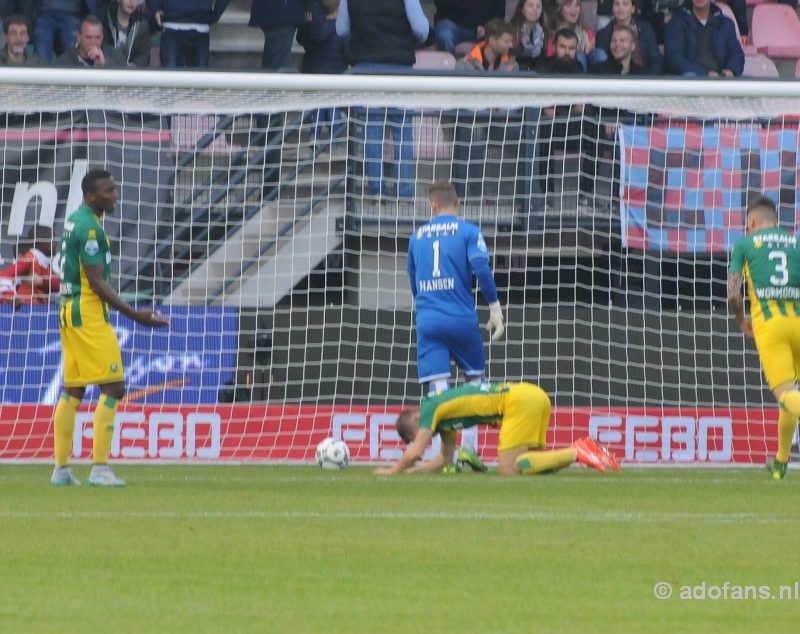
x: 269, y: 216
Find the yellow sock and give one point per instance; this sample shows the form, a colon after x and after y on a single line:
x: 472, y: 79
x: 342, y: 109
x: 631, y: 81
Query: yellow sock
x: 787, y: 422
x: 103, y: 428
x: 64, y: 427
x: 790, y: 401
x: 532, y: 462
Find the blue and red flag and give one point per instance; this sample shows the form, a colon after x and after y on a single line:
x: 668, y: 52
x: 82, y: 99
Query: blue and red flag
x: 684, y: 188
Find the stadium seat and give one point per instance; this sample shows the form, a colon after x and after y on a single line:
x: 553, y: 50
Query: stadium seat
x: 776, y: 31
x: 429, y: 141
x: 759, y: 66
x: 434, y: 60
x: 748, y: 49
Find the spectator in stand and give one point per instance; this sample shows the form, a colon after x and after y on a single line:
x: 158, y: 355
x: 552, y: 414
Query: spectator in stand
x: 659, y: 12
x: 128, y: 32
x: 186, y: 23
x: 15, y: 53
x: 464, y: 20
x: 57, y: 24
x: 89, y: 51
x: 471, y: 141
x: 493, y: 53
x: 15, y: 8
x: 646, y: 53
x: 382, y: 35
x: 623, y: 50
x: 564, y: 60
x: 701, y: 41
x: 621, y: 62
x: 568, y: 128
x: 278, y: 19
x: 325, y: 53
x: 569, y: 15
x: 530, y: 34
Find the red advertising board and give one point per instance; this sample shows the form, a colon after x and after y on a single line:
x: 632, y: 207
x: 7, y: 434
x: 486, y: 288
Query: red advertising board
x: 275, y: 433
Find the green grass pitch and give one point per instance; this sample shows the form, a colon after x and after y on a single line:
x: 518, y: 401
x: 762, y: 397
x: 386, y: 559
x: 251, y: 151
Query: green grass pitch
x: 296, y: 549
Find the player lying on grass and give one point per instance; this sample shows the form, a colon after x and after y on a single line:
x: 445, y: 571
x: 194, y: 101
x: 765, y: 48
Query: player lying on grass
x: 769, y: 258
x: 520, y: 410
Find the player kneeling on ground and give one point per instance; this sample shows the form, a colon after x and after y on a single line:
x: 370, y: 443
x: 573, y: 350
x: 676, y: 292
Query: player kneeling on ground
x: 520, y: 410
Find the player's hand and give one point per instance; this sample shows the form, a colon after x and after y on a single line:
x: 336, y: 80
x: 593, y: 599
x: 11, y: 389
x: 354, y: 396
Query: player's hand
x: 159, y: 18
x: 152, y: 318
x: 495, y: 324
x: 746, y: 326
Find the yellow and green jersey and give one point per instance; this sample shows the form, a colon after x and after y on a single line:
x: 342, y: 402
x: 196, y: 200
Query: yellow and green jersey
x: 770, y: 261
x: 83, y: 243
x: 466, y: 406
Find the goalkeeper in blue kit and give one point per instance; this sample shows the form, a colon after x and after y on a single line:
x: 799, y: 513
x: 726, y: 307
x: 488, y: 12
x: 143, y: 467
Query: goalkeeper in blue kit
x: 443, y: 255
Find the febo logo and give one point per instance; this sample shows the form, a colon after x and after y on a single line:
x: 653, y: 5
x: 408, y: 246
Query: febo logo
x: 377, y: 429
x: 166, y: 435
x: 46, y: 192
x: 667, y: 438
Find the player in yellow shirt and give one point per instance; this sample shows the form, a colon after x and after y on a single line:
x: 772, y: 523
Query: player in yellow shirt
x: 769, y: 258
x: 91, y: 350
x: 520, y: 410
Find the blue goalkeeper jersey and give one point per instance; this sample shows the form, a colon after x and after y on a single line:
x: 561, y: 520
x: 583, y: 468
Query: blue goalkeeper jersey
x: 442, y: 256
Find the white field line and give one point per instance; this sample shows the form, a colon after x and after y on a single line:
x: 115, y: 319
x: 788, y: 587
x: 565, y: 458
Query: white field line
x: 600, y: 517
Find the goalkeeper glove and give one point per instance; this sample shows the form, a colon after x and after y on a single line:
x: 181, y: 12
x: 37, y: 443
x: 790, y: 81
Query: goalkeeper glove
x: 495, y: 324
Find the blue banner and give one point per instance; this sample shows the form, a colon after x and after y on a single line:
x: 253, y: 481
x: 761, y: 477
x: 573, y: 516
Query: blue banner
x: 186, y: 364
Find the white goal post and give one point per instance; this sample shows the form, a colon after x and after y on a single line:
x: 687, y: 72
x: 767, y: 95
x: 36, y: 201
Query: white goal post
x: 269, y: 215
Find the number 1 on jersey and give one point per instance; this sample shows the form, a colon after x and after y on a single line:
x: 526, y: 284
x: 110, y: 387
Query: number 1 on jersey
x: 436, y: 272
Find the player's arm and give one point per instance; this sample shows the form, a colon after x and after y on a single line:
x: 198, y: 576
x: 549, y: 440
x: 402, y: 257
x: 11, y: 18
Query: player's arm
x: 495, y: 325
x: 94, y: 273
x: 478, y: 256
x: 736, y: 303
x: 411, y: 268
x: 735, y: 297
x: 442, y: 459
x: 411, y: 455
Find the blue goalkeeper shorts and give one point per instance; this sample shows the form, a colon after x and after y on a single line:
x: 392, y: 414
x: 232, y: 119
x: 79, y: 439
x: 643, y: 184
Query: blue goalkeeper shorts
x: 438, y: 341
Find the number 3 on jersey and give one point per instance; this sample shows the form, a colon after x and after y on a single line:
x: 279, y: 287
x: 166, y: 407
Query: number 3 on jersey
x: 780, y: 268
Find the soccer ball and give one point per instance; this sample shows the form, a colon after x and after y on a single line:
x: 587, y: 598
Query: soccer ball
x: 333, y: 454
